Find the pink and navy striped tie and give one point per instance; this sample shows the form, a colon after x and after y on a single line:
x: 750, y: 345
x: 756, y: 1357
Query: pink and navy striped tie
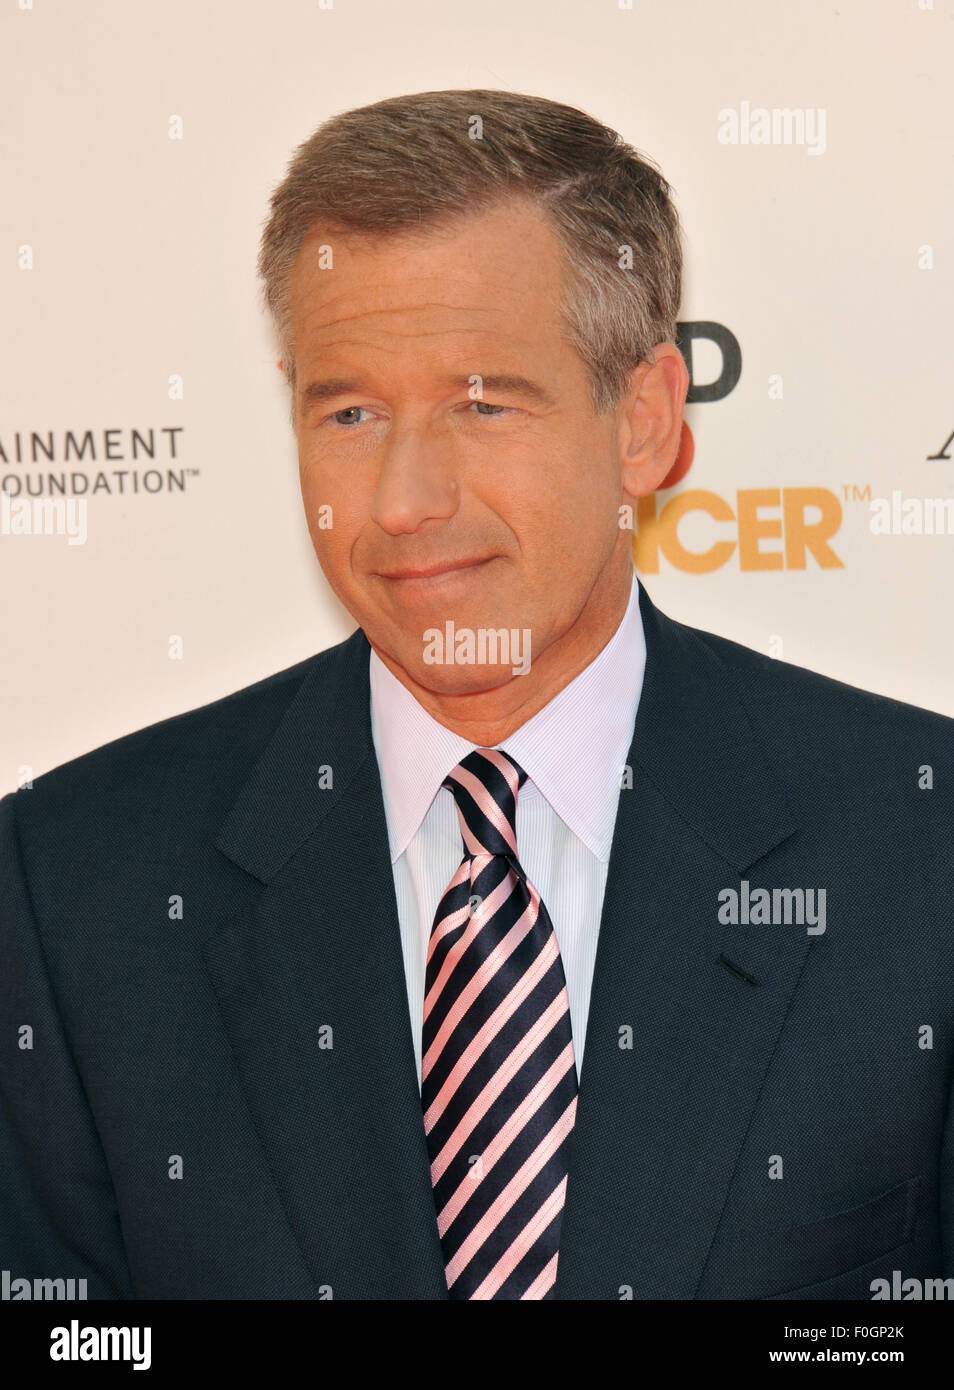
x: 499, y: 1076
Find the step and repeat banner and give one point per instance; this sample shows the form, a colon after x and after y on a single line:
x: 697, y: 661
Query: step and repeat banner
x: 810, y: 149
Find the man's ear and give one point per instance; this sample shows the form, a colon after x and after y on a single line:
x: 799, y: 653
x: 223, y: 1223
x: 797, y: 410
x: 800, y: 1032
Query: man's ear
x: 651, y: 419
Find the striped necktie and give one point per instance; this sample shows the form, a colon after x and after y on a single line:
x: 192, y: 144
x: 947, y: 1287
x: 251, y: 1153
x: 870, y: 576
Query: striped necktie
x: 499, y: 1076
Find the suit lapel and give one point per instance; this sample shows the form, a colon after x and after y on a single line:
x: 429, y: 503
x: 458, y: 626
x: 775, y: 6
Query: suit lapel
x: 311, y: 987
x: 660, y: 1124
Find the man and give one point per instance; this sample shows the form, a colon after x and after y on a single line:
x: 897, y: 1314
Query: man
x: 297, y: 985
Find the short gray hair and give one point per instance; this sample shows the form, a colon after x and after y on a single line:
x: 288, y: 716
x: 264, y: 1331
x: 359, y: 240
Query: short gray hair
x: 412, y: 161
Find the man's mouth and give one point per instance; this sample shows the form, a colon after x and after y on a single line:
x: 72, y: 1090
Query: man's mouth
x: 439, y: 568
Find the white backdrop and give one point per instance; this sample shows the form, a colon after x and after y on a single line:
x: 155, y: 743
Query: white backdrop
x: 140, y: 143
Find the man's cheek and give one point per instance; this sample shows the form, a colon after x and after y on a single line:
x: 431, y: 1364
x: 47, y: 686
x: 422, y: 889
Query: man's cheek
x: 329, y: 509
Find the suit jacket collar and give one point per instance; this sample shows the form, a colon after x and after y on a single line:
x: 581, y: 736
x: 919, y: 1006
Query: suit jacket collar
x: 656, y: 1142
x: 692, y: 737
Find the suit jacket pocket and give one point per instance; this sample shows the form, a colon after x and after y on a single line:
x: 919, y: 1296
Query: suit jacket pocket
x: 764, y: 1264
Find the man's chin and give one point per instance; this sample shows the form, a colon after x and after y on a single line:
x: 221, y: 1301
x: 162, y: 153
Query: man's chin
x: 459, y: 679
x: 450, y: 658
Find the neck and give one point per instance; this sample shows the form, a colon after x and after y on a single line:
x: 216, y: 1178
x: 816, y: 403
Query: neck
x: 487, y: 717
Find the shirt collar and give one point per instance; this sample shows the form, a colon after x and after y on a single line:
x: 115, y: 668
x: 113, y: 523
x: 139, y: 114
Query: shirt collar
x: 572, y: 750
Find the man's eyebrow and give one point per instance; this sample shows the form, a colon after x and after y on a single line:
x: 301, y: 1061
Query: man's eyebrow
x: 317, y: 391
x: 505, y: 381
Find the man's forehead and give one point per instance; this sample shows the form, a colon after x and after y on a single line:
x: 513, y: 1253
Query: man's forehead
x: 456, y: 319
x: 508, y: 250
x: 474, y: 293
x: 435, y: 339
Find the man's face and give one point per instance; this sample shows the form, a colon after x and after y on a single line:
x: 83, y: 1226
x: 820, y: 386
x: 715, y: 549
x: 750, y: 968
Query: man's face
x: 511, y: 478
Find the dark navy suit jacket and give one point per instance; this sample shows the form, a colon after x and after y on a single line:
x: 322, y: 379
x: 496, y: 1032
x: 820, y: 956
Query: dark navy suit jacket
x: 781, y: 1124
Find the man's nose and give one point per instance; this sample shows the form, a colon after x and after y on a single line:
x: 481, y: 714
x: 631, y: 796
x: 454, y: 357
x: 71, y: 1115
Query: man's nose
x: 417, y: 481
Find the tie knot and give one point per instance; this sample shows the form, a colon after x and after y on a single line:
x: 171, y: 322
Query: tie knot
x: 485, y: 786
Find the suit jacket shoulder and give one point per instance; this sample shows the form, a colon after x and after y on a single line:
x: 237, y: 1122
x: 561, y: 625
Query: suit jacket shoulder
x: 151, y: 794
x: 824, y: 738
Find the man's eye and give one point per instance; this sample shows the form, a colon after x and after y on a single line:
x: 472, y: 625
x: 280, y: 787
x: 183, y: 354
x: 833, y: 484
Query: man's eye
x: 488, y: 408
x: 351, y: 411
